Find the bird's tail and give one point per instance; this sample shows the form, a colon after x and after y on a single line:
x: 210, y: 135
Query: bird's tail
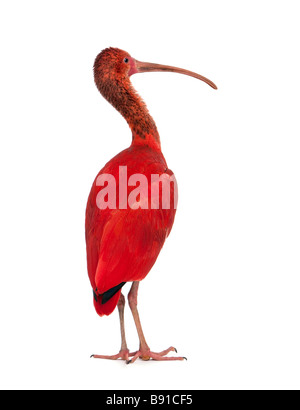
x: 106, y: 302
x: 108, y: 307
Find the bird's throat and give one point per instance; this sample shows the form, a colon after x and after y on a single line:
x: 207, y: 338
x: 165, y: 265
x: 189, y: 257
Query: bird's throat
x: 130, y: 105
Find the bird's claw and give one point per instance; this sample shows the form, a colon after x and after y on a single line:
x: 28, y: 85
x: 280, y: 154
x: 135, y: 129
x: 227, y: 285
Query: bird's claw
x: 161, y: 356
x: 141, y: 354
x: 123, y: 354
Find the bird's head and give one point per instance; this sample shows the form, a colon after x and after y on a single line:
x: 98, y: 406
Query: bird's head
x: 114, y: 66
x: 113, y: 63
x: 112, y: 69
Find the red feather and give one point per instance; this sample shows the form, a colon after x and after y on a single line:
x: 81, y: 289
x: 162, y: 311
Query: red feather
x: 129, y: 219
x: 123, y: 244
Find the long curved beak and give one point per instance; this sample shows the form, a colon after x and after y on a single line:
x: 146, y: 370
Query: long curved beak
x: 148, y: 67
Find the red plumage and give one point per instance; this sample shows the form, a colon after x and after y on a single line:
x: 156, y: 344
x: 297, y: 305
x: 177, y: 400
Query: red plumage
x: 124, y: 240
x: 123, y: 244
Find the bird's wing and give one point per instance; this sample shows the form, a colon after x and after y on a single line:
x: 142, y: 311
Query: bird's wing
x: 123, y: 244
x: 130, y: 243
x: 123, y: 251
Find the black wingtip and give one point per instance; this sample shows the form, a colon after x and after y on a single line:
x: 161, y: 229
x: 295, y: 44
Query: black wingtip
x: 111, y: 292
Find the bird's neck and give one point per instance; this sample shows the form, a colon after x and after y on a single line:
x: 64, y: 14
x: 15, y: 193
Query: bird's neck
x: 131, y: 106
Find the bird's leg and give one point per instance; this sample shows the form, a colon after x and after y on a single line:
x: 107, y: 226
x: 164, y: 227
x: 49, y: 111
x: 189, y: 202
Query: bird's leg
x: 124, y: 352
x: 121, y: 307
x: 132, y: 300
x: 144, y: 351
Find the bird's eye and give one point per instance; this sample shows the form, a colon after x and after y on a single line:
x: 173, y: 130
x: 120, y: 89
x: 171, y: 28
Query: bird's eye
x: 126, y: 60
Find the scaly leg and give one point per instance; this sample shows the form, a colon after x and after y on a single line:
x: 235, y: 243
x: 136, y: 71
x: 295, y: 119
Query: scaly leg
x: 144, y: 352
x: 124, y: 352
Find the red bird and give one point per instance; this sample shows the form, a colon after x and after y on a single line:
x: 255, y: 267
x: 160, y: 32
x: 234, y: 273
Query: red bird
x: 127, y: 222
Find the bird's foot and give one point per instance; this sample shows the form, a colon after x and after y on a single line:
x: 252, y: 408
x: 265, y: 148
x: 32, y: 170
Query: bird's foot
x: 123, y: 355
x: 161, y: 356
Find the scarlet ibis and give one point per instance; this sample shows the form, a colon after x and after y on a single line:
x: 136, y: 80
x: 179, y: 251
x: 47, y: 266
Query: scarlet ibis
x: 122, y: 241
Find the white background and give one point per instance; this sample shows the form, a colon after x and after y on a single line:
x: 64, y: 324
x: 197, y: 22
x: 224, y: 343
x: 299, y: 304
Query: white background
x: 225, y: 289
